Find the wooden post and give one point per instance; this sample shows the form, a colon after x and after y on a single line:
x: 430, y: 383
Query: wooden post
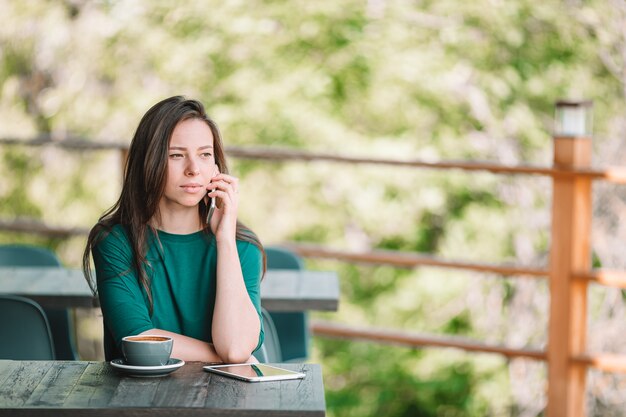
x: 569, y: 254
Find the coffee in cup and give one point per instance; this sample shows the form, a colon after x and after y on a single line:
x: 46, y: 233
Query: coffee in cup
x: 147, y: 350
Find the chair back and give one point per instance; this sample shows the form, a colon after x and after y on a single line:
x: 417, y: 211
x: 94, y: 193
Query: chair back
x: 60, y: 319
x: 269, y: 352
x: 261, y: 353
x: 24, y: 330
x: 292, y: 327
x: 282, y: 258
x: 26, y: 255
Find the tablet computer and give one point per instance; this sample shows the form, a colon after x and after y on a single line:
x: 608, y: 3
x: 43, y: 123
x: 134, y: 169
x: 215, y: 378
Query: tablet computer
x: 254, y: 372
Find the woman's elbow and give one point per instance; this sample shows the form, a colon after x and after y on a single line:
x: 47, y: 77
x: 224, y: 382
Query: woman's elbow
x: 234, y: 355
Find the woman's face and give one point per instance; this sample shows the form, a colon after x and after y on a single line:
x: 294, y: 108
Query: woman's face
x: 190, y: 165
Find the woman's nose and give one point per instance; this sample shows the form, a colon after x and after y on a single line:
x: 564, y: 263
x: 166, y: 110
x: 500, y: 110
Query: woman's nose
x: 192, y: 169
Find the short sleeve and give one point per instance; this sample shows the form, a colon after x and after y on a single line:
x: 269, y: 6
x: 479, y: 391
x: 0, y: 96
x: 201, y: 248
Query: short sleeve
x: 251, y: 259
x: 122, y: 300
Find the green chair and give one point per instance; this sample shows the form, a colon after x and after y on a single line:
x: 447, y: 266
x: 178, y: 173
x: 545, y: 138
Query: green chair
x: 269, y: 352
x: 59, y: 319
x: 24, y: 330
x: 26, y: 255
x: 292, y: 327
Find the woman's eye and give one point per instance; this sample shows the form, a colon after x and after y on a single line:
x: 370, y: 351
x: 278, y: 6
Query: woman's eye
x: 206, y: 154
x: 176, y: 155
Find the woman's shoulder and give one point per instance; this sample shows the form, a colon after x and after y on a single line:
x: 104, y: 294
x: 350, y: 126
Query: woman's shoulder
x: 112, y: 247
x: 248, y: 247
x: 249, y: 252
x: 113, y: 236
x: 251, y: 259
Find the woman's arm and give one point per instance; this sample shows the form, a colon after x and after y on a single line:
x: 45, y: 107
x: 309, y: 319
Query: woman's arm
x: 192, y: 350
x: 236, y: 324
x: 188, y: 348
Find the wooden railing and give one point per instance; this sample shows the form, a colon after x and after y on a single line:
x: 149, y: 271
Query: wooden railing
x: 613, y: 174
x: 569, y: 272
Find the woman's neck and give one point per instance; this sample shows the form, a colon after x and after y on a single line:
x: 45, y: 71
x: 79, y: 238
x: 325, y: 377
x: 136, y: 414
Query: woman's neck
x: 178, y: 222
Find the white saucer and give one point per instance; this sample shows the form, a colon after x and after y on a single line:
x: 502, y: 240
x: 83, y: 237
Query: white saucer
x: 132, y: 370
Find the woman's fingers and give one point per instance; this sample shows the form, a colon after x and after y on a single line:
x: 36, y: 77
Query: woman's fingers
x: 224, y: 196
x: 223, y: 182
x: 223, y: 185
x: 228, y: 179
x: 224, y: 188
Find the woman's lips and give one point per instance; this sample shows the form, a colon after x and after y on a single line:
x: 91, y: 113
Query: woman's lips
x: 192, y: 188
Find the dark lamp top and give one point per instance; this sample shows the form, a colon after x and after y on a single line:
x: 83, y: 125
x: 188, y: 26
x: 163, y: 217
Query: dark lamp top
x: 572, y: 103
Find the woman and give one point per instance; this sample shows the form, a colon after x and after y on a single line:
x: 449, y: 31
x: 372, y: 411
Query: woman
x: 162, y: 267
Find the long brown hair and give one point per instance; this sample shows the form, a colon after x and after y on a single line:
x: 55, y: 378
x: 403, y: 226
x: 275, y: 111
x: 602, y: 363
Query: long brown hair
x: 145, y: 175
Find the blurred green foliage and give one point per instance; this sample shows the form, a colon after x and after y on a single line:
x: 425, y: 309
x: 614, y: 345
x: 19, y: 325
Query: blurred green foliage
x: 377, y: 380
x: 392, y: 79
x: 18, y: 165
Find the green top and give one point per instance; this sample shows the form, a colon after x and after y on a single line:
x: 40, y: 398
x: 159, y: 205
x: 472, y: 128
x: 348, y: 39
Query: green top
x: 183, y: 282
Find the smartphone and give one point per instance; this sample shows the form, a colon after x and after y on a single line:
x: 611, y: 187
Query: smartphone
x: 211, y: 210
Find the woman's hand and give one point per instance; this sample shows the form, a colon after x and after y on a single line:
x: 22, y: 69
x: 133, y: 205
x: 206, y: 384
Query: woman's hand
x: 225, y: 188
